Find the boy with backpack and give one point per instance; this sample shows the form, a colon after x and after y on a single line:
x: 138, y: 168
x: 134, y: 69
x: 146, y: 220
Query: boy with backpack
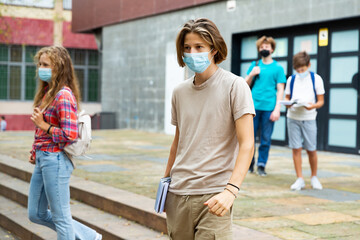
x: 306, y: 90
x: 266, y: 78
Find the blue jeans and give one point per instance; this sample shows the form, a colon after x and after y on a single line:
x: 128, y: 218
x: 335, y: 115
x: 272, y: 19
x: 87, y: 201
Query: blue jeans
x: 49, y: 188
x: 262, y: 120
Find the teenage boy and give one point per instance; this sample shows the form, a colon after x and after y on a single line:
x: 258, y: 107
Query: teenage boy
x: 213, y: 144
x: 267, y: 79
x: 307, y: 88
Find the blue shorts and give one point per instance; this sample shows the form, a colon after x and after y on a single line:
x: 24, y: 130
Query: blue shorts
x: 302, y: 134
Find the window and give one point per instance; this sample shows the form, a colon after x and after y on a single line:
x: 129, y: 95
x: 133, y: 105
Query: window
x: 86, y: 64
x: 15, y: 53
x: 345, y: 41
x: 67, y: 4
x: 80, y: 76
x: 93, y: 84
x: 11, y: 69
x: 18, y: 72
x: 4, y: 53
x: 281, y: 49
x: 30, y: 54
x: 15, y: 82
x: 342, y: 132
x: 30, y: 82
x: 306, y: 43
x: 30, y: 3
x: 3, y: 81
x: 79, y: 57
x: 248, y: 48
x: 93, y: 58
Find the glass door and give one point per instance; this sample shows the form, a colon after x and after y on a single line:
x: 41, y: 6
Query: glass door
x: 337, y: 62
x: 281, y: 55
x: 343, y: 92
x: 286, y: 48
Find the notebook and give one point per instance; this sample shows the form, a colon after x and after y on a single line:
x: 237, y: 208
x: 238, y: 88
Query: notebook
x: 161, y: 194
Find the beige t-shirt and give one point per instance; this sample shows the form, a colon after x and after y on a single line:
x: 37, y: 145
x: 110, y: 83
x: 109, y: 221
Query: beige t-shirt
x: 208, y: 146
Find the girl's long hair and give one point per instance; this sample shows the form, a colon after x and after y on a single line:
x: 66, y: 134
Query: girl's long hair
x: 63, y: 74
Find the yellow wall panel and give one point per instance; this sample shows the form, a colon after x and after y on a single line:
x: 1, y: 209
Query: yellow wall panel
x: 27, y: 12
x: 32, y: 12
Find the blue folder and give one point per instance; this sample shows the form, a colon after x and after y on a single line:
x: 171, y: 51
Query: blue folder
x: 161, y: 194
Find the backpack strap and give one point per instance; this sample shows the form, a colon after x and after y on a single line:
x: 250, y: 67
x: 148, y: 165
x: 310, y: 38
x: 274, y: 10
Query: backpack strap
x: 43, y: 110
x: 254, y: 78
x: 292, y: 85
x: 312, y: 74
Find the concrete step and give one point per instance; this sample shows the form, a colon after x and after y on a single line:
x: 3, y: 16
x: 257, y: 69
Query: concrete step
x: 110, y: 226
x: 129, y: 205
x: 5, y: 234
x: 13, y: 218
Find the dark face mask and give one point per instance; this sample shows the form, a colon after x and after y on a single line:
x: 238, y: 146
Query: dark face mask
x: 264, y: 53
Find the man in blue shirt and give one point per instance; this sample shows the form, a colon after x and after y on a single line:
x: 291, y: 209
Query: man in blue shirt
x: 267, y: 79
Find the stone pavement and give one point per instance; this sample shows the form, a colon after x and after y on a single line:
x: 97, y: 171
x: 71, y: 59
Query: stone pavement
x: 134, y: 161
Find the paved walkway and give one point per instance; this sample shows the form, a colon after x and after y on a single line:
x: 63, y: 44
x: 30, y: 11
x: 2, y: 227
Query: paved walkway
x: 135, y: 160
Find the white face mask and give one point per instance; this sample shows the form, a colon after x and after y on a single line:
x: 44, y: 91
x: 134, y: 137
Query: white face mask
x: 304, y: 74
x: 45, y: 74
x: 197, y: 62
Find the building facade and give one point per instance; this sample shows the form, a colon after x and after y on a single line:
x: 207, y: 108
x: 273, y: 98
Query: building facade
x: 139, y: 68
x: 25, y: 27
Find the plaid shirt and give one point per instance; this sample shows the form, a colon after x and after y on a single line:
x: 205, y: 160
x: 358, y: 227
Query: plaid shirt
x: 62, y: 115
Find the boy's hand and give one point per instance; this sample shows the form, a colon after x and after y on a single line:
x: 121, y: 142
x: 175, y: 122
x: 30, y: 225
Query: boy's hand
x: 255, y: 71
x: 220, y: 204
x: 311, y: 106
x: 275, y: 115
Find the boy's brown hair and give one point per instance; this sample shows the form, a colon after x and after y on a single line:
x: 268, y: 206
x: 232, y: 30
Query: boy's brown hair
x: 301, y: 59
x: 265, y: 39
x: 207, y: 31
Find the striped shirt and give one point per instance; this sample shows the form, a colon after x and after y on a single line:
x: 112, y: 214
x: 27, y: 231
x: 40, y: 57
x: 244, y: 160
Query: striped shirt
x: 62, y: 115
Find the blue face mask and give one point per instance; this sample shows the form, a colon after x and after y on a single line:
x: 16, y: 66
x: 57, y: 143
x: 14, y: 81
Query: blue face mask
x: 304, y: 74
x: 45, y: 74
x: 197, y: 62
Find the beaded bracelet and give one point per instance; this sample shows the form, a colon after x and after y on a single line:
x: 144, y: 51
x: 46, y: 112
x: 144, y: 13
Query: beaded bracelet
x: 233, y: 186
x: 231, y: 192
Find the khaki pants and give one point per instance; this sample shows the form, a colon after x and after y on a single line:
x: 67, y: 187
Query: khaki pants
x: 189, y: 219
